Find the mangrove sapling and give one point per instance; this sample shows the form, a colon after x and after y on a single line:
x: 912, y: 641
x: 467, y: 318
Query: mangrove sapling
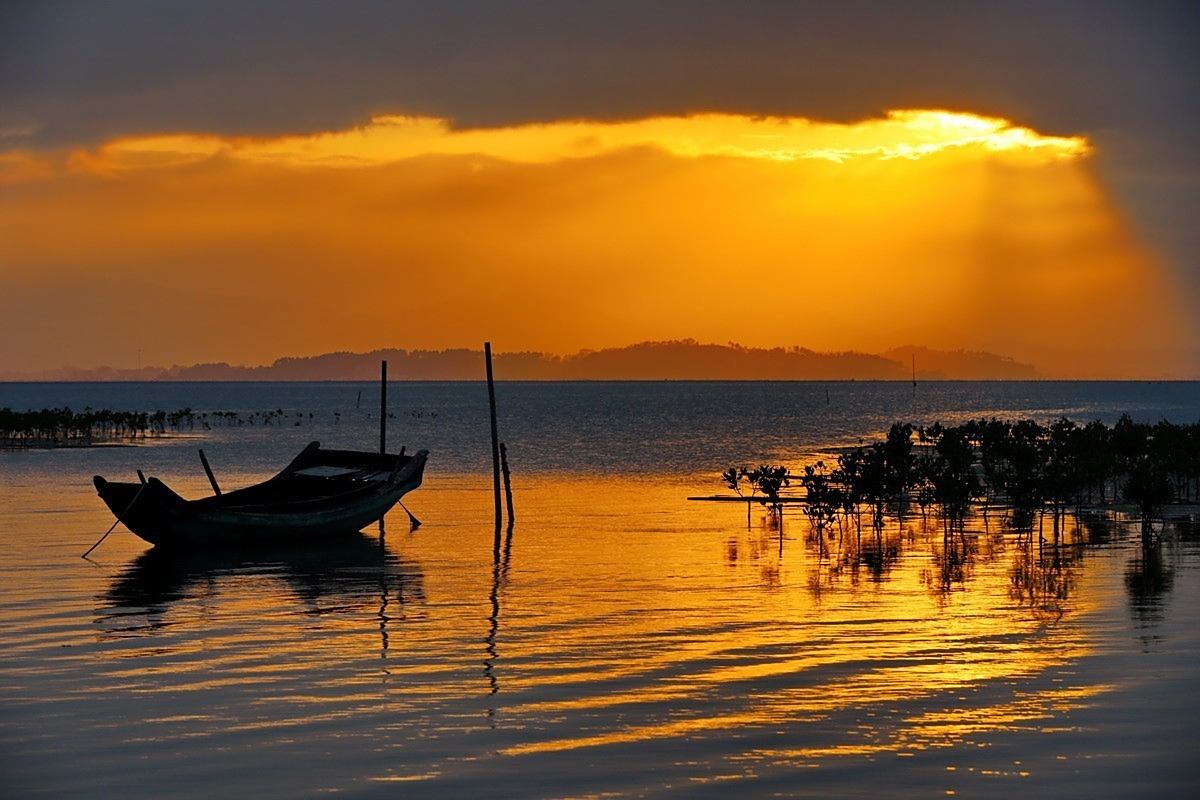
x: 1034, y: 468
x: 1095, y: 459
x: 848, y: 475
x: 770, y: 480
x: 923, y: 490
x: 821, y: 500
x: 900, y: 475
x: 875, y: 486
x: 1169, y: 448
x: 1149, y: 487
x: 1059, y: 474
x: 989, y: 436
x: 733, y: 479
x: 1021, y: 469
x: 1129, y: 441
x: 952, y: 473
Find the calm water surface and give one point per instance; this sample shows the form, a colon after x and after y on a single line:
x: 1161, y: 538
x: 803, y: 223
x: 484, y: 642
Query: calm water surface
x: 623, y: 643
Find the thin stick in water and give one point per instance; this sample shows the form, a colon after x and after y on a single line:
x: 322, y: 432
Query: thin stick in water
x: 383, y: 406
x: 491, y: 386
x: 507, y: 483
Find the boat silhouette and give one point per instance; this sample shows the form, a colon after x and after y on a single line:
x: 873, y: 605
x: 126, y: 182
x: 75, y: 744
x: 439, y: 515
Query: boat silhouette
x: 320, y: 493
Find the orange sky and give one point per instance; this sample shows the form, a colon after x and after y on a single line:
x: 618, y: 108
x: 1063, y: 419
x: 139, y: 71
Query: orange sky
x: 943, y: 229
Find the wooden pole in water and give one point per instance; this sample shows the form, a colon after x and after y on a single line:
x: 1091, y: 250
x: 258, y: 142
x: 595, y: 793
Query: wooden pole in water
x: 507, y: 484
x: 383, y: 406
x: 382, y: 423
x: 491, y: 385
x: 208, y: 471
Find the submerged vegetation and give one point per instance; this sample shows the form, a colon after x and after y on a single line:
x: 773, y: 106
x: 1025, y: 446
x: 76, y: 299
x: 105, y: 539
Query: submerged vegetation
x: 973, y: 494
x: 62, y: 427
x: 1029, y: 469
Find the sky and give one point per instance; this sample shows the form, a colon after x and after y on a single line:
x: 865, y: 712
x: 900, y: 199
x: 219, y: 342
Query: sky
x: 242, y: 181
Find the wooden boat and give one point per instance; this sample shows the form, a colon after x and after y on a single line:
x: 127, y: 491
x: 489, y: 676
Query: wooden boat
x: 322, y: 492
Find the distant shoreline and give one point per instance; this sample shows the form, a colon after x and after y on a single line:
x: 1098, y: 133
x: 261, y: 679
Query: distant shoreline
x: 550, y: 381
x: 646, y: 362
x: 679, y: 360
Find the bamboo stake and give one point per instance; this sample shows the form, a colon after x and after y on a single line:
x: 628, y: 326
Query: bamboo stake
x: 507, y: 484
x: 383, y: 406
x: 487, y: 354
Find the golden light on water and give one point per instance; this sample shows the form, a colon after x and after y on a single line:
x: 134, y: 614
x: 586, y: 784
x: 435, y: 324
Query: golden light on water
x: 686, y: 632
x: 621, y: 622
x: 802, y: 663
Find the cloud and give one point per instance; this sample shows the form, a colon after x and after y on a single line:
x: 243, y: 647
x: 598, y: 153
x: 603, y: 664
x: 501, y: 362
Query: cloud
x: 85, y: 72
x: 947, y: 230
x: 75, y: 76
x: 1124, y: 74
x: 906, y: 134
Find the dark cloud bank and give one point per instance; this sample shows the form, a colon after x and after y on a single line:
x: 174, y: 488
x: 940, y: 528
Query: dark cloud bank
x: 1126, y: 74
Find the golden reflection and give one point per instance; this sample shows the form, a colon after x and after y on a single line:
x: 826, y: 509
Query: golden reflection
x: 675, y: 633
x: 952, y: 728
x: 891, y: 642
x: 1149, y: 577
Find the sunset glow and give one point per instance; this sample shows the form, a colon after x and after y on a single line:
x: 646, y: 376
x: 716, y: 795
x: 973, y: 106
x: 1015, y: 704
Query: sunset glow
x: 909, y: 134
x: 947, y: 229
x: 606, y: 399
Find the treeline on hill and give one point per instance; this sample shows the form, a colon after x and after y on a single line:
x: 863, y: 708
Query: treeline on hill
x: 1032, y: 468
x: 684, y: 359
x: 62, y: 427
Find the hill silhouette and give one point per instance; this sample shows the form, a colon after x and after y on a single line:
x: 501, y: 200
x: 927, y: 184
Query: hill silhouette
x: 669, y: 360
x: 965, y: 365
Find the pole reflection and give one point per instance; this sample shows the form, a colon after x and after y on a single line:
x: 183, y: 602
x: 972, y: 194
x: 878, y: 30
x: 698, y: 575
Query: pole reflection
x: 501, y: 556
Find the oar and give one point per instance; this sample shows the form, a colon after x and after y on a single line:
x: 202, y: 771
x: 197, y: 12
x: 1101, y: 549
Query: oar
x: 208, y: 471
x: 118, y: 521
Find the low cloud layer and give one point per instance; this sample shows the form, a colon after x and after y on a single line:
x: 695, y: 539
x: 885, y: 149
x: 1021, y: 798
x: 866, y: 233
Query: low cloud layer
x: 201, y: 248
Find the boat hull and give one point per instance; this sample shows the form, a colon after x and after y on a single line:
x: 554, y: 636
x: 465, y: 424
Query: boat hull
x: 155, y: 513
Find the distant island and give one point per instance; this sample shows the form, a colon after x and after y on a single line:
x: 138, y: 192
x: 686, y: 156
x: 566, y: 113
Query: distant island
x: 669, y: 360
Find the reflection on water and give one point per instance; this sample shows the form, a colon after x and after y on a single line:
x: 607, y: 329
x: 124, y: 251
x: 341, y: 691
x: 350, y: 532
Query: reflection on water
x: 1148, y: 579
x: 327, y: 576
x: 620, y: 641
x: 501, y: 557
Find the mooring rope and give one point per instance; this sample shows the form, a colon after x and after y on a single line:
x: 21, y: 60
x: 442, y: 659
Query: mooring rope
x: 118, y: 520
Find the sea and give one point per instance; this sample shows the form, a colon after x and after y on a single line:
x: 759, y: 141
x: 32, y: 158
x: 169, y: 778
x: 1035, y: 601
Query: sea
x: 620, y: 641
